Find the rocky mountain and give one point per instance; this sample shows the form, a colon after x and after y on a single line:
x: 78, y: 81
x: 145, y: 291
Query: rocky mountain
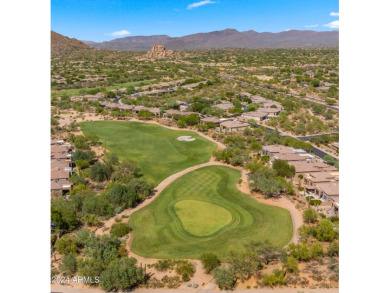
x: 61, y: 44
x: 228, y: 38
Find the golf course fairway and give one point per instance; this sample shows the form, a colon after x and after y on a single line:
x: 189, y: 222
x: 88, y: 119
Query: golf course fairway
x: 203, y: 211
x: 156, y: 149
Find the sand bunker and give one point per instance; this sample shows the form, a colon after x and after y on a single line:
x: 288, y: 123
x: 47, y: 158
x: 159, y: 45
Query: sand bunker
x: 185, y: 138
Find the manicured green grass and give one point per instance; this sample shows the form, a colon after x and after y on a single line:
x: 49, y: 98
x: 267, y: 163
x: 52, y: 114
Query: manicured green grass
x: 213, y: 216
x: 163, y: 230
x: 155, y: 148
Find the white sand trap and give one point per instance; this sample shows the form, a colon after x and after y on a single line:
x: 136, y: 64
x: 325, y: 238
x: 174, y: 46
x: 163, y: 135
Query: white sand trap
x: 185, y: 138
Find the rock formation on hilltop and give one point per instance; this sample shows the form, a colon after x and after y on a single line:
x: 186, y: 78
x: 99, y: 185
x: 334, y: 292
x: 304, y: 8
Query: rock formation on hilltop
x: 158, y: 52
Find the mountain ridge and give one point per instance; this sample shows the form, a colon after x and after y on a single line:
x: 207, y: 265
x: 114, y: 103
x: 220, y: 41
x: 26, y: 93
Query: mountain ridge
x: 228, y: 38
x: 61, y: 44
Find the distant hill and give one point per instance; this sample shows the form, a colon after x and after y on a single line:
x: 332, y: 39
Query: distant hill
x: 228, y: 38
x: 61, y: 44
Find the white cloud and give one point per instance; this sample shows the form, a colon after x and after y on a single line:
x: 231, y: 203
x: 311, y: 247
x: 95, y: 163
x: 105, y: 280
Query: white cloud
x: 334, y: 14
x: 311, y: 25
x: 198, y: 4
x: 120, y: 33
x: 333, y: 24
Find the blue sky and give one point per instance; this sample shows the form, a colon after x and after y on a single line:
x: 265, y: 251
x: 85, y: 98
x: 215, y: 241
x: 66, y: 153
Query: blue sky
x: 103, y: 20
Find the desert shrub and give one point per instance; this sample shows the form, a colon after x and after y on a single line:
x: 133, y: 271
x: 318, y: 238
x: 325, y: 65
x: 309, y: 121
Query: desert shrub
x: 224, y: 277
x: 333, y: 249
x: 325, y: 231
x: 66, y: 245
x: 276, y: 278
x: 163, y: 265
x: 310, y: 215
x: 122, y: 274
x: 317, y: 251
x: 291, y: 265
x: 185, y: 277
x: 68, y: 264
x: 210, y: 261
x: 185, y: 267
x: 120, y: 229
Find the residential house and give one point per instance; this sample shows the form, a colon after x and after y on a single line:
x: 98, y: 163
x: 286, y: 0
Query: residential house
x: 257, y: 115
x: 57, y: 174
x: 59, y: 187
x: 272, y: 112
x: 232, y: 125
x: 137, y: 109
x: 313, y: 166
x: 211, y: 119
x: 329, y: 192
x: 61, y: 165
x: 293, y: 157
x: 272, y: 150
x: 311, y: 180
x: 224, y: 106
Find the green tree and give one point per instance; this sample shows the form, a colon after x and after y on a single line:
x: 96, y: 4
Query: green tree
x: 210, y: 261
x: 122, y: 274
x: 82, y: 164
x: 310, y: 215
x: 100, y: 172
x: 120, y: 229
x: 329, y: 159
x: 66, y: 245
x: 291, y: 265
x: 80, y: 142
x: 244, y: 264
x: 276, y: 278
x: 83, y: 155
x: 325, y: 231
x: 333, y: 249
x: 68, y: 264
x: 90, y: 267
x: 299, y: 251
x: 316, y: 250
x: 283, y: 169
x: 122, y: 195
x: 224, y: 278
x: 185, y: 267
x: 145, y: 115
x: 192, y: 119
x: 102, y: 248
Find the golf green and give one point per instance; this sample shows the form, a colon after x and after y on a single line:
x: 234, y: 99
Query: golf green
x: 203, y: 211
x: 213, y: 216
x: 155, y: 148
